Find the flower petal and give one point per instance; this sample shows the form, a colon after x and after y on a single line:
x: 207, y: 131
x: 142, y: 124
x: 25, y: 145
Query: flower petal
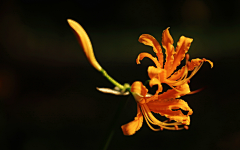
x: 167, y: 43
x: 172, y: 93
x: 138, y: 90
x: 178, y: 74
x: 153, y: 72
x: 170, y: 108
x: 157, y: 77
x: 133, y: 126
x: 196, y: 62
x: 138, y: 87
x: 154, y: 59
x: 182, y: 47
x: 155, y: 81
x: 151, y: 41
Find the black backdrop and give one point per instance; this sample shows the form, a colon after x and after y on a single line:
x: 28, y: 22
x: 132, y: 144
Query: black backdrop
x: 48, y: 89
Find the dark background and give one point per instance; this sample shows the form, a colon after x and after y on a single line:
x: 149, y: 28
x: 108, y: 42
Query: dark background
x: 48, y: 96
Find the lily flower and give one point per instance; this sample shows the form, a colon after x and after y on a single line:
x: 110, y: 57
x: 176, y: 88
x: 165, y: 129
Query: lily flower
x: 85, y: 42
x: 165, y: 73
x: 164, y: 104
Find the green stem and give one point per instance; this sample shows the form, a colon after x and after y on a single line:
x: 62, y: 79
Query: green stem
x: 113, y: 125
x: 123, y: 88
x: 112, y: 80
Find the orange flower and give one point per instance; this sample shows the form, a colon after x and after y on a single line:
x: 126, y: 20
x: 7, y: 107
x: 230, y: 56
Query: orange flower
x: 164, y: 104
x: 165, y: 74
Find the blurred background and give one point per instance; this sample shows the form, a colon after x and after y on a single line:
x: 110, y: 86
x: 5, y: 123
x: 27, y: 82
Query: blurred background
x: 48, y: 96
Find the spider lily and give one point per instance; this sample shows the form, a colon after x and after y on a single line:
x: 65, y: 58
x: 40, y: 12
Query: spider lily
x: 164, y: 104
x: 165, y: 73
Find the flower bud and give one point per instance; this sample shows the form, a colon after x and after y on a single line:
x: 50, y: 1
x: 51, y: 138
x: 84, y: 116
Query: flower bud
x: 85, y: 42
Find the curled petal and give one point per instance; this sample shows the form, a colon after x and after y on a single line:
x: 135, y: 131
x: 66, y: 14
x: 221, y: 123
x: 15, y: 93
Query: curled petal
x: 153, y: 72
x: 142, y: 55
x: 157, y: 76
x: 139, y: 88
x: 193, y: 66
x: 175, y: 93
x: 210, y: 62
x: 194, y: 63
x: 170, y: 108
x: 155, y: 81
x: 133, y: 126
x: 151, y: 41
x: 197, y: 62
x: 139, y: 91
x: 182, y: 47
x: 167, y: 43
x: 85, y: 43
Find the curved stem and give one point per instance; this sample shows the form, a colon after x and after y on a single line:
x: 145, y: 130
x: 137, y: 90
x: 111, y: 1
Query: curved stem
x: 123, y: 88
x: 113, y: 125
x: 112, y: 80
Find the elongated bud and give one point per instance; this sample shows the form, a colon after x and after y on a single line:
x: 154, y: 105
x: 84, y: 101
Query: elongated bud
x: 85, y: 42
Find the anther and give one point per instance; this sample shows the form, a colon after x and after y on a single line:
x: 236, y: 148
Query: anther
x: 176, y: 127
x: 187, y: 56
x: 186, y: 127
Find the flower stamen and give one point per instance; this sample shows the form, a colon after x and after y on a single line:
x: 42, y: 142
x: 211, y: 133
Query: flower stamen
x: 150, y: 119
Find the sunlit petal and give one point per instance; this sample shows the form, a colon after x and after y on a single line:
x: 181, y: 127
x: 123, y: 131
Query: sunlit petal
x: 153, y: 72
x: 170, y: 108
x: 133, y: 126
x: 182, y: 47
x: 167, y: 43
x: 197, y: 62
x: 178, y: 74
x: 139, y: 91
x: 155, y: 81
x: 138, y: 87
x: 172, y: 93
x: 154, y: 59
x: 151, y: 41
